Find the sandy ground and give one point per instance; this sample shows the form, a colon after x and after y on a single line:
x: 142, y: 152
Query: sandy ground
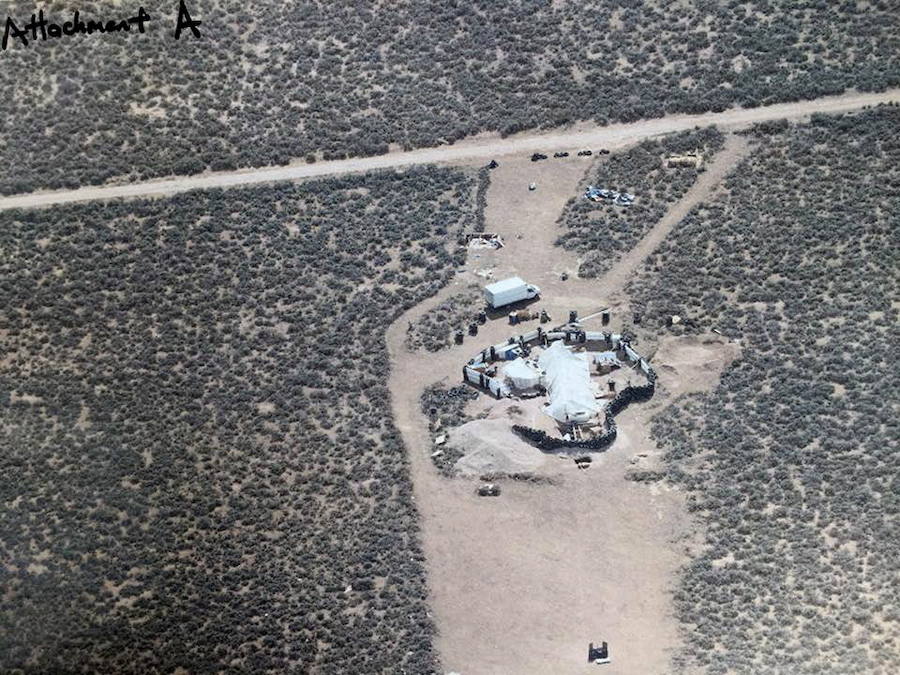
x: 522, y: 582
x: 474, y: 150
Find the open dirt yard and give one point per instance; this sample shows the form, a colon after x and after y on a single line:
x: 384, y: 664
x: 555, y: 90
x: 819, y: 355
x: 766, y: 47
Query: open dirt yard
x: 522, y: 583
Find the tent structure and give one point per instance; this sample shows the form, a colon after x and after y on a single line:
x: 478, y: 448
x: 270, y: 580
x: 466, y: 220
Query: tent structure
x: 568, y: 380
x: 521, y: 375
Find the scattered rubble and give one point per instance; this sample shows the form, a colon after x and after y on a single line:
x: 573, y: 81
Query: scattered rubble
x: 606, y: 196
x: 482, y: 240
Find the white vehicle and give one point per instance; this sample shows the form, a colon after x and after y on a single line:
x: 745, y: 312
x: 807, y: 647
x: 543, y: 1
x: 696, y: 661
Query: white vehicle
x: 508, y: 291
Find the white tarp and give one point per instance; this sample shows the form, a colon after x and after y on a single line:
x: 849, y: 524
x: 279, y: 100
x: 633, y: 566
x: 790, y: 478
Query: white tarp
x: 607, y: 359
x: 567, y: 377
x: 521, y: 374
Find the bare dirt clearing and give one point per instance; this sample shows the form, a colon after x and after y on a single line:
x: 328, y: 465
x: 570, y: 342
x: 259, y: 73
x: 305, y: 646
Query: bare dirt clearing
x: 547, y: 568
x: 477, y: 149
x: 691, y: 364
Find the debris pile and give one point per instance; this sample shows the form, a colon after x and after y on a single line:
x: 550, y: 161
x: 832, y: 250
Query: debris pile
x: 603, y: 195
x: 484, y: 240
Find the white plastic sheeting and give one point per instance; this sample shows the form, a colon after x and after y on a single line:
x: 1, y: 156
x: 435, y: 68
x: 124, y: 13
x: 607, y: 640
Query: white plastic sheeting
x: 521, y: 374
x: 606, y: 359
x: 567, y: 377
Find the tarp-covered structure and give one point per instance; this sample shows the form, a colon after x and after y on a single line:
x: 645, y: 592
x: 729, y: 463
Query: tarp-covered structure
x: 521, y: 374
x: 567, y: 377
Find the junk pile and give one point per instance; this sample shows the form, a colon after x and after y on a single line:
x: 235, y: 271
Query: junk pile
x: 605, y: 196
x: 484, y: 240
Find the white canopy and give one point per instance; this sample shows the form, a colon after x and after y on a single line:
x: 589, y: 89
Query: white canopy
x: 567, y: 377
x: 521, y: 374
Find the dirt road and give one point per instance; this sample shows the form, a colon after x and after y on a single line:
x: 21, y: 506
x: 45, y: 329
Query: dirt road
x: 474, y: 150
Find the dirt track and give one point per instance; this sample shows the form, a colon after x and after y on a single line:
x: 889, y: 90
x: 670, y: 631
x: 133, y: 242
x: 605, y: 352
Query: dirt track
x: 478, y: 149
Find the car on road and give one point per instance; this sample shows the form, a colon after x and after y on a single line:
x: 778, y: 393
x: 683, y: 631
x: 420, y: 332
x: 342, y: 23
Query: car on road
x: 536, y: 157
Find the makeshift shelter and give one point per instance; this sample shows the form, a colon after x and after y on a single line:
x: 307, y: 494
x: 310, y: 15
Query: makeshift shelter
x: 521, y: 374
x: 568, y: 380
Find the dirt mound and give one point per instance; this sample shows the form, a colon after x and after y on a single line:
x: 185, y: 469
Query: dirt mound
x: 490, y: 446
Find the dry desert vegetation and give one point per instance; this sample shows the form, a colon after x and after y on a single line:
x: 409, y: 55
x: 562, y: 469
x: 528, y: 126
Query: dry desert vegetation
x: 272, y: 82
x: 199, y: 465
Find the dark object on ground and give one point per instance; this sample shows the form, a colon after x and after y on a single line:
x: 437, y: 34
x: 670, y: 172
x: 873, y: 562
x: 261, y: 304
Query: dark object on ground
x: 458, y: 338
x: 545, y: 318
x: 489, y: 490
x: 584, y: 153
x: 598, y: 654
x: 573, y: 316
x: 636, y: 318
x: 604, y: 151
x: 583, y: 462
x: 482, y: 317
x: 560, y: 154
x: 473, y: 329
x: 536, y: 157
x: 564, y: 276
x: 604, y: 318
x: 493, y: 164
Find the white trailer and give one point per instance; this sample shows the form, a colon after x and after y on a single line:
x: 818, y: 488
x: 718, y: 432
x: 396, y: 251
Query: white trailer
x: 508, y: 291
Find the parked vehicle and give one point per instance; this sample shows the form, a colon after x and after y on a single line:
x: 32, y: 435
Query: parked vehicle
x: 536, y: 157
x: 560, y: 154
x: 508, y: 291
x: 584, y: 153
x: 604, y: 151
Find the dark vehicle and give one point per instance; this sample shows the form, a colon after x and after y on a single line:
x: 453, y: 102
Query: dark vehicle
x: 493, y: 164
x: 489, y: 490
x: 560, y: 154
x: 604, y: 151
x: 536, y: 157
x: 584, y: 153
